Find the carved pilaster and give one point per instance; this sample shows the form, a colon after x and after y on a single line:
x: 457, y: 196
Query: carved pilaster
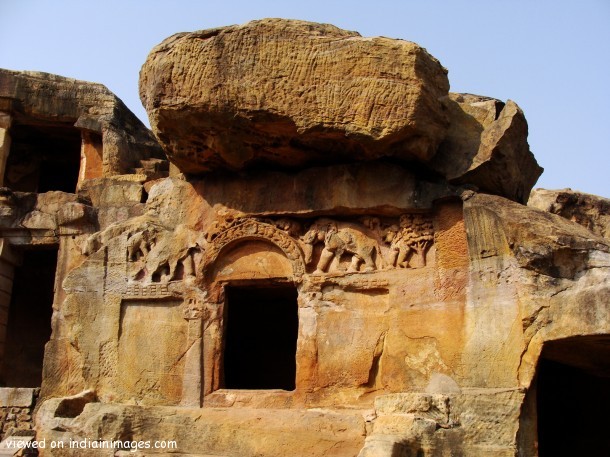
x: 191, y: 381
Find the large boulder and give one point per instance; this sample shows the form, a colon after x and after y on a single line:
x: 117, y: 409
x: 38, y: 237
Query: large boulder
x: 290, y: 93
x: 486, y: 146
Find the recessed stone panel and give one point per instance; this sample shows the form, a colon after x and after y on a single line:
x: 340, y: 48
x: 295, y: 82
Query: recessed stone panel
x: 152, y: 344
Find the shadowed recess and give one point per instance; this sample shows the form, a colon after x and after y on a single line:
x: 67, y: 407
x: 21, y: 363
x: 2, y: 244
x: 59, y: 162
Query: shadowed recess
x: 261, y: 337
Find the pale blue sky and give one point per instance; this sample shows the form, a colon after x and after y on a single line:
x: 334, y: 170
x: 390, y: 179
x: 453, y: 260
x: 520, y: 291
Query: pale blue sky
x: 551, y: 57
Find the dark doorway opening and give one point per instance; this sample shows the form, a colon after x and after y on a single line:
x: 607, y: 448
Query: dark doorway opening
x: 261, y: 326
x: 573, y: 397
x: 43, y: 158
x: 29, y: 319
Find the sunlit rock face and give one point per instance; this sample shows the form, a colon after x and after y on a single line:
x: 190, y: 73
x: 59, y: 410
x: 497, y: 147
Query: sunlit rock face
x: 341, y: 263
x: 590, y: 211
x: 41, y: 104
x: 292, y: 93
x: 287, y: 94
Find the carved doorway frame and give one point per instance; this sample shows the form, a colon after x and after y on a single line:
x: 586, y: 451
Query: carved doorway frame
x: 241, y: 231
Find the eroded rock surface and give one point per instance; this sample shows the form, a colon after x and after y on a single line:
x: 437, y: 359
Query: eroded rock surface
x: 590, y: 211
x: 486, y: 146
x: 429, y: 322
x: 291, y: 93
x: 43, y: 99
x: 376, y: 308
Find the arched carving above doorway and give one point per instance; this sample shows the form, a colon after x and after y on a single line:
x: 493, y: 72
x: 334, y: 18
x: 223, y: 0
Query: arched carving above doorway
x: 250, y: 229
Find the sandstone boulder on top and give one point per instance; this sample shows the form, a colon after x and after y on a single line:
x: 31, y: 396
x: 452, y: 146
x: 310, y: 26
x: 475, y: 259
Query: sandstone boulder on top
x: 290, y: 93
x: 486, y: 146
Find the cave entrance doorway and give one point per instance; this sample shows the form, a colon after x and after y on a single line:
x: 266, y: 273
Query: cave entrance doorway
x: 43, y: 157
x: 27, y: 318
x: 261, y: 326
x: 573, y: 397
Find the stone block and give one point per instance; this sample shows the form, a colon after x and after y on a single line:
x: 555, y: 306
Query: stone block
x: 16, y: 396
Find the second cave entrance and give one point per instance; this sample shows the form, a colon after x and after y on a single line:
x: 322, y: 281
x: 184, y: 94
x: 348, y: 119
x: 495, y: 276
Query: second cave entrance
x: 261, y: 326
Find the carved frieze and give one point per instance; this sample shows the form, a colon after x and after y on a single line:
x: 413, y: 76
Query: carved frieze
x: 409, y: 241
x: 153, y: 254
x: 341, y: 238
x: 331, y: 246
x: 361, y: 283
x: 368, y: 244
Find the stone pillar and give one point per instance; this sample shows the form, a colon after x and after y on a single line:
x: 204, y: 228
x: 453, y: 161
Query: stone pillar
x: 213, y: 324
x: 8, y: 261
x: 5, y: 142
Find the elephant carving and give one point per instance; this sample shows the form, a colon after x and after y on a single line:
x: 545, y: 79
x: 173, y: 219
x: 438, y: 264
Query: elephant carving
x: 340, y: 238
x: 140, y: 231
x: 166, y: 255
x: 140, y: 243
x: 155, y: 253
x: 162, y: 255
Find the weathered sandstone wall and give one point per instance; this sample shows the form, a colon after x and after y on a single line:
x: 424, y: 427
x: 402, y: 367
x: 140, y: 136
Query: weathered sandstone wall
x: 335, y: 180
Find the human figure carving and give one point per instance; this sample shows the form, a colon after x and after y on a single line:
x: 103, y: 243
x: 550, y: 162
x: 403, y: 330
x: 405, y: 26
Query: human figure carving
x: 399, y: 249
x: 422, y: 235
x: 410, y: 242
